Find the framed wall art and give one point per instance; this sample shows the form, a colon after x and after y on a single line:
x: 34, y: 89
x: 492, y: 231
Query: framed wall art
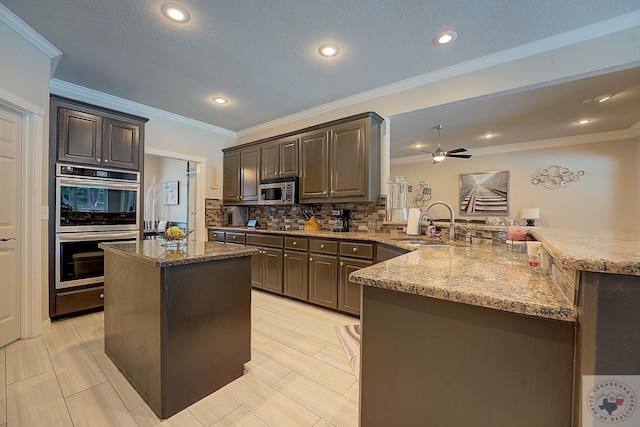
x: 170, y: 192
x: 485, y: 193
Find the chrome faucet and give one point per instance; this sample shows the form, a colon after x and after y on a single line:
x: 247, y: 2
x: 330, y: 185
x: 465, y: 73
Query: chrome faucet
x: 452, y: 227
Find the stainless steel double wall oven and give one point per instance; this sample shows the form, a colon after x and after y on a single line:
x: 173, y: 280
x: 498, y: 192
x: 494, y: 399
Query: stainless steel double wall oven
x: 93, y: 205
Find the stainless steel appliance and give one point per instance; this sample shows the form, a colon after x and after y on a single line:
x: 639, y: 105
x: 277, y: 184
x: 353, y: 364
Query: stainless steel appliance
x: 341, y: 219
x: 278, y: 191
x: 236, y: 215
x: 79, y: 261
x: 92, y: 199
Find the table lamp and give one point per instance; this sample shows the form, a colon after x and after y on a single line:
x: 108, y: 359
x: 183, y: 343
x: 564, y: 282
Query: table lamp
x: 530, y: 214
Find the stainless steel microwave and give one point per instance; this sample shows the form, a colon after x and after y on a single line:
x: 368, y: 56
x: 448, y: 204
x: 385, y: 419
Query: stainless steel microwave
x: 278, y: 191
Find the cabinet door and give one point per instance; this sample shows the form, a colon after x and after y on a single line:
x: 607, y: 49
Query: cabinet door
x: 314, y: 164
x: 249, y: 167
x: 231, y: 177
x: 270, y: 161
x: 296, y: 277
x: 348, y: 160
x: 120, y: 144
x: 272, y: 269
x: 349, y: 292
x: 289, y: 157
x: 256, y: 270
x: 79, y: 137
x: 323, y: 280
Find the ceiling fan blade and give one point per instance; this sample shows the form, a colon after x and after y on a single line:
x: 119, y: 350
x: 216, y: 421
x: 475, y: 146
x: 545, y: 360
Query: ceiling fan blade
x: 460, y: 156
x: 457, y: 150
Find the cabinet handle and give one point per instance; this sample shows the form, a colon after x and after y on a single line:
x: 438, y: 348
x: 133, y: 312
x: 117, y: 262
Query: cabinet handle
x: 285, y: 255
x: 355, y: 249
x: 240, y: 197
x: 321, y: 246
x: 310, y: 259
x: 98, y: 159
x: 324, y: 192
x: 106, y: 160
x: 341, y: 263
x: 101, y: 296
x: 295, y: 243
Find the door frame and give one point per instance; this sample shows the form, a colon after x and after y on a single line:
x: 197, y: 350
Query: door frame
x: 33, y: 213
x: 200, y: 231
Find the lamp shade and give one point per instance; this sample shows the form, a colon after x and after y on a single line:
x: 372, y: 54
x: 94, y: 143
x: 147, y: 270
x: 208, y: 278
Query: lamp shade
x: 530, y: 213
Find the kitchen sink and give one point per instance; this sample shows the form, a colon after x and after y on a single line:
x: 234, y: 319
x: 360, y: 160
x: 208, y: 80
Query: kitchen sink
x: 425, y: 243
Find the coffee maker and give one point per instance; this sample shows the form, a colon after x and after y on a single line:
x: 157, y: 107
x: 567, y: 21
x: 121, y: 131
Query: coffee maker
x: 341, y: 219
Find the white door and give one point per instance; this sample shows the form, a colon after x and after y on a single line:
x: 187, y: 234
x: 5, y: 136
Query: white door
x: 10, y: 137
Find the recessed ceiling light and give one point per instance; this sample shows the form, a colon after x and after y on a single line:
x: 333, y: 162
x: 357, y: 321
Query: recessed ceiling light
x: 220, y: 100
x: 329, y: 50
x: 488, y: 135
x: 175, y: 13
x: 603, y: 98
x: 445, y: 38
x: 418, y: 145
x: 583, y: 121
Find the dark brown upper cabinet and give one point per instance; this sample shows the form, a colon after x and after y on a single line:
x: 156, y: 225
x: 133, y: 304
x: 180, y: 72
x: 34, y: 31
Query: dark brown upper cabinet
x: 314, y: 165
x: 240, y: 176
x: 279, y: 158
x: 90, y: 136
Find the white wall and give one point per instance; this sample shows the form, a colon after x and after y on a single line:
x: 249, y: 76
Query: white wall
x: 25, y: 72
x: 164, y: 170
x: 607, y: 196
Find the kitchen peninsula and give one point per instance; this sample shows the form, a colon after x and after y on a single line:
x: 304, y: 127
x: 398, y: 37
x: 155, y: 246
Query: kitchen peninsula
x: 463, y: 337
x: 177, y: 320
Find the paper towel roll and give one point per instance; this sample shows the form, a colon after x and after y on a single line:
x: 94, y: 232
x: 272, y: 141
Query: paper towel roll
x: 413, y: 223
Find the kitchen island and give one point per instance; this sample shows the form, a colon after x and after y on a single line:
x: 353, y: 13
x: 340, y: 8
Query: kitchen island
x: 177, y: 319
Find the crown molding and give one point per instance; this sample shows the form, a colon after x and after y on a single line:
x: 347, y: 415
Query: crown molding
x: 29, y: 34
x: 81, y: 93
x: 599, y: 29
x: 615, y: 135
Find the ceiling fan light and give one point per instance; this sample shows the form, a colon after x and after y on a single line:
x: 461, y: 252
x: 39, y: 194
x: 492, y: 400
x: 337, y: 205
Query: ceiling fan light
x: 439, y: 155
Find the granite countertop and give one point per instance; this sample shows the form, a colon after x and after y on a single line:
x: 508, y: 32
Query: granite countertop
x: 153, y: 252
x: 483, y: 275
x: 597, y: 251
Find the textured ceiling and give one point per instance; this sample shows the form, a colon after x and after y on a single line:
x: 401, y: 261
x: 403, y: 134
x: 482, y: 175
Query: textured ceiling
x: 261, y: 55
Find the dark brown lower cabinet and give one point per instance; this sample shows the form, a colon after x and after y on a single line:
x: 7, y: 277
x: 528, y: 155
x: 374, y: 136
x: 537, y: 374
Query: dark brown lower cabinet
x: 266, y: 269
x: 296, y: 274
x: 323, y: 280
x: 349, y: 292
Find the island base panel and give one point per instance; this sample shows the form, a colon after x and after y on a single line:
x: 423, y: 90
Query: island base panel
x: 177, y: 333
x: 427, y: 361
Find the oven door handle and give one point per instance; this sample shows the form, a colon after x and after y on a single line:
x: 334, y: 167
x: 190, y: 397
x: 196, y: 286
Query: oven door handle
x: 79, y: 236
x: 81, y: 182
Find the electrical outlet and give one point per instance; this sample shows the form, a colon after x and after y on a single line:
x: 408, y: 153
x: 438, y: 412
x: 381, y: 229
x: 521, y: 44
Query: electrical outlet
x: 409, y: 188
x: 426, y: 191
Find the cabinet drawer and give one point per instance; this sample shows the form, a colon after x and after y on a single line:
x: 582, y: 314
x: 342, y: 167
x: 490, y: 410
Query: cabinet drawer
x: 83, y: 299
x: 216, y: 236
x: 358, y: 250
x: 233, y: 237
x: 323, y: 246
x: 296, y: 243
x: 264, y: 240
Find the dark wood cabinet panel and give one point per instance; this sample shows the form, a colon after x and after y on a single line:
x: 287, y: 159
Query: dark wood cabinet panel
x: 272, y: 270
x: 289, y: 157
x: 79, y: 137
x: 279, y: 158
x: 249, y: 167
x: 231, y: 177
x: 78, y: 300
x: 323, y: 280
x: 121, y: 144
x: 270, y: 161
x: 314, y: 163
x: 256, y: 270
x: 348, y: 160
x: 348, y: 291
x: 296, y: 274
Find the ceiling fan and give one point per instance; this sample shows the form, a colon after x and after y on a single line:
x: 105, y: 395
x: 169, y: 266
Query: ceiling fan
x: 439, y: 154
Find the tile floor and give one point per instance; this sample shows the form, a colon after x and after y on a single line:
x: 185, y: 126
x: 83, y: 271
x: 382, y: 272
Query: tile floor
x: 298, y: 376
